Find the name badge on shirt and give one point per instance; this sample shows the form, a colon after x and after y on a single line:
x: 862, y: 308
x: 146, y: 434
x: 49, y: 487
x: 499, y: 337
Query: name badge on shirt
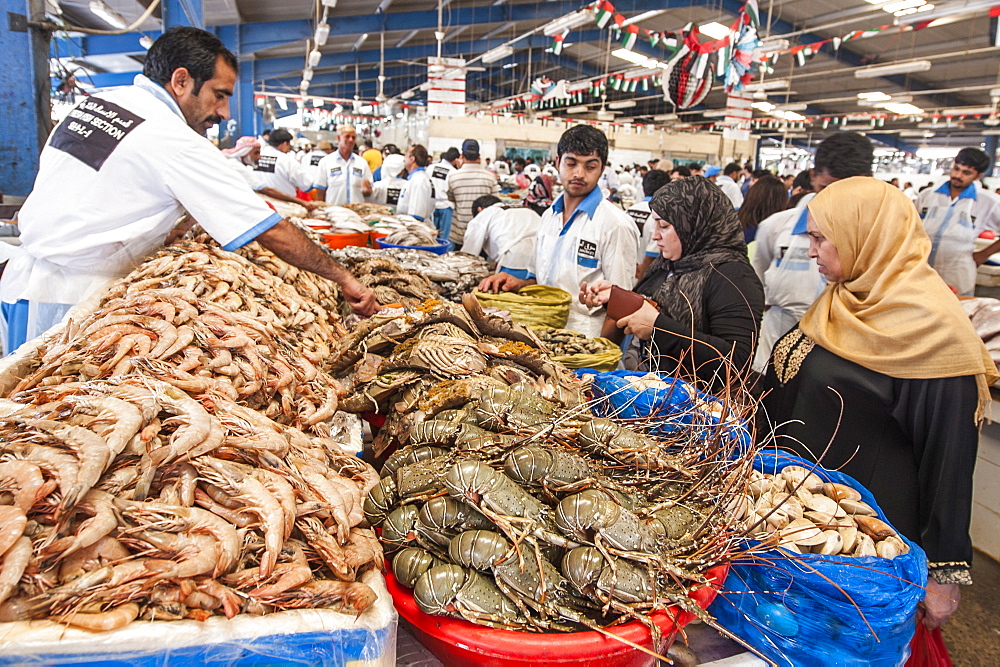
x: 335, y: 172
x: 266, y: 163
x: 93, y: 130
x: 586, y: 254
x: 392, y: 195
x: 357, y: 171
x: 439, y: 172
x: 640, y: 219
x: 315, y: 160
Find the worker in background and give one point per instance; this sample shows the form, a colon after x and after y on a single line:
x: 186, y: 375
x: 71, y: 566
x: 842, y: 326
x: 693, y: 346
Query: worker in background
x: 372, y: 156
x: 244, y: 156
x: 501, y: 167
x: 582, y: 237
x: 641, y: 214
x: 343, y: 177
x: 100, y: 204
x: 506, y: 236
x: 532, y: 170
x: 791, y: 278
x: 277, y: 168
x: 695, y: 169
x: 608, y: 182
x: 467, y: 184
x: 677, y: 173
x: 443, y: 208
x: 387, y: 190
x: 954, y: 214
x: 310, y: 159
x: 727, y: 182
x: 550, y: 170
x: 387, y: 150
x: 417, y: 198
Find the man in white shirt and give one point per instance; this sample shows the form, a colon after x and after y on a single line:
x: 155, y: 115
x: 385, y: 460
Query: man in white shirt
x: 278, y: 168
x: 443, y: 208
x: 954, y: 214
x: 505, y: 235
x: 727, y: 181
x: 641, y: 214
x: 310, y: 159
x: 609, y: 182
x: 343, y: 177
x: 791, y: 278
x: 100, y: 204
x: 244, y: 157
x: 390, y: 186
x: 582, y: 237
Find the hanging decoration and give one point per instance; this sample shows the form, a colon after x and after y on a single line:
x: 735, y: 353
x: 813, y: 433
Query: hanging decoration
x: 557, y: 42
x: 687, y: 77
x: 744, y: 50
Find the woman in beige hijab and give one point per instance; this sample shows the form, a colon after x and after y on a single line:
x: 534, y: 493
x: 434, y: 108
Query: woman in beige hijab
x: 885, y: 377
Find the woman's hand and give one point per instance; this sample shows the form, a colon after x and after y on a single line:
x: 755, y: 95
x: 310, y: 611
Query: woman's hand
x: 595, y: 294
x: 939, y: 603
x: 641, y: 322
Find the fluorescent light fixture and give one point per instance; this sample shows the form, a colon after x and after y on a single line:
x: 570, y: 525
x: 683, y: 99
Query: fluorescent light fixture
x: 579, y: 109
x: 645, y: 15
x: 874, y: 97
x: 902, y: 109
x: 770, y: 84
x: 498, y: 53
x: 631, y: 56
x: 322, y: 34
x: 893, y: 7
x: 410, y: 35
x: 794, y: 106
x: 568, y: 22
x: 361, y: 40
x: 665, y: 117
x: 968, y: 111
x: 714, y: 30
x: 876, y: 71
x: 100, y: 9
x: 314, y: 57
x: 772, y: 44
x: 406, y: 94
x: 789, y: 115
x: 623, y: 104
x: 509, y: 66
x: 714, y: 113
x: 766, y: 107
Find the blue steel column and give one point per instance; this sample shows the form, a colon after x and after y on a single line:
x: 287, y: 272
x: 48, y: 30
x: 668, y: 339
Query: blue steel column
x: 991, y: 150
x: 182, y: 12
x: 24, y: 94
x: 244, y: 111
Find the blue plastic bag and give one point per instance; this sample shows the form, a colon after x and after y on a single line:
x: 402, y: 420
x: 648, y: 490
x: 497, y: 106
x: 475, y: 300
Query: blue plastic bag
x: 800, y: 609
x: 678, y: 406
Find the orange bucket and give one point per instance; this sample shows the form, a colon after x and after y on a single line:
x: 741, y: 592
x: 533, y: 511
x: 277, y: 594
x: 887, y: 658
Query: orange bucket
x: 337, y: 241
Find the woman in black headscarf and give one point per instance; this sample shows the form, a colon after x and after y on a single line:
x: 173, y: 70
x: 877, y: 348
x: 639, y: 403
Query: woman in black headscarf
x: 708, y: 300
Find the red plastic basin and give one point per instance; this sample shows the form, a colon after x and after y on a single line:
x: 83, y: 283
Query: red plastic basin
x: 457, y: 642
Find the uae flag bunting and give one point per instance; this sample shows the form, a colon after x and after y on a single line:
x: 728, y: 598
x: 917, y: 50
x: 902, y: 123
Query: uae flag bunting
x: 557, y: 42
x: 669, y: 41
x: 619, y: 24
x: 605, y: 10
x: 752, y: 13
x: 654, y: 38
x: 629, y: 36
x: 836, y: 43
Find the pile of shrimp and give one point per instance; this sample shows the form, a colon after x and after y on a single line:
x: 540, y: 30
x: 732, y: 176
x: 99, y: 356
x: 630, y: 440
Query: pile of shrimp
x: 188, y: 330
x: 174, y: 454
x: 129, y: 499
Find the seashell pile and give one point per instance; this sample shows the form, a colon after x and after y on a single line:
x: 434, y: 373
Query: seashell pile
x: 803, y: 514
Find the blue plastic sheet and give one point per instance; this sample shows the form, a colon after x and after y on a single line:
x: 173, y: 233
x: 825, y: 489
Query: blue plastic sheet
x: 680, y: 405
x: 823, y: 610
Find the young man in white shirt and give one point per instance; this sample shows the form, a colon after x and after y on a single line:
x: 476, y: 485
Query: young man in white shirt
x: 100, y: 204
x: 343, y: 177
x: 244, y: 157
x: 582, y: 236
x: 954, y: 214
x: 278, y: 167
x: 727, y: 181
x: 443, y: 208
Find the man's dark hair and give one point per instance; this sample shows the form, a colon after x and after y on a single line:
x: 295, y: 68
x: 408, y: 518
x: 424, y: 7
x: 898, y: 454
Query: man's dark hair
x: 803, y: 181
x: 450, y: 155
x: 279, y: 137
x: 694, y: 166
x: 682, y: 170
x: 584, y: 140
x: 760, y: 173
x: 643, y: 169
x: 653, y: 181
x: 193, y: 49
x: 520, y: 161
x: 845, y: 154
x: 482, y: 203
x: 732, y: 168
x: 391, y: 149
x: 975, y: 158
